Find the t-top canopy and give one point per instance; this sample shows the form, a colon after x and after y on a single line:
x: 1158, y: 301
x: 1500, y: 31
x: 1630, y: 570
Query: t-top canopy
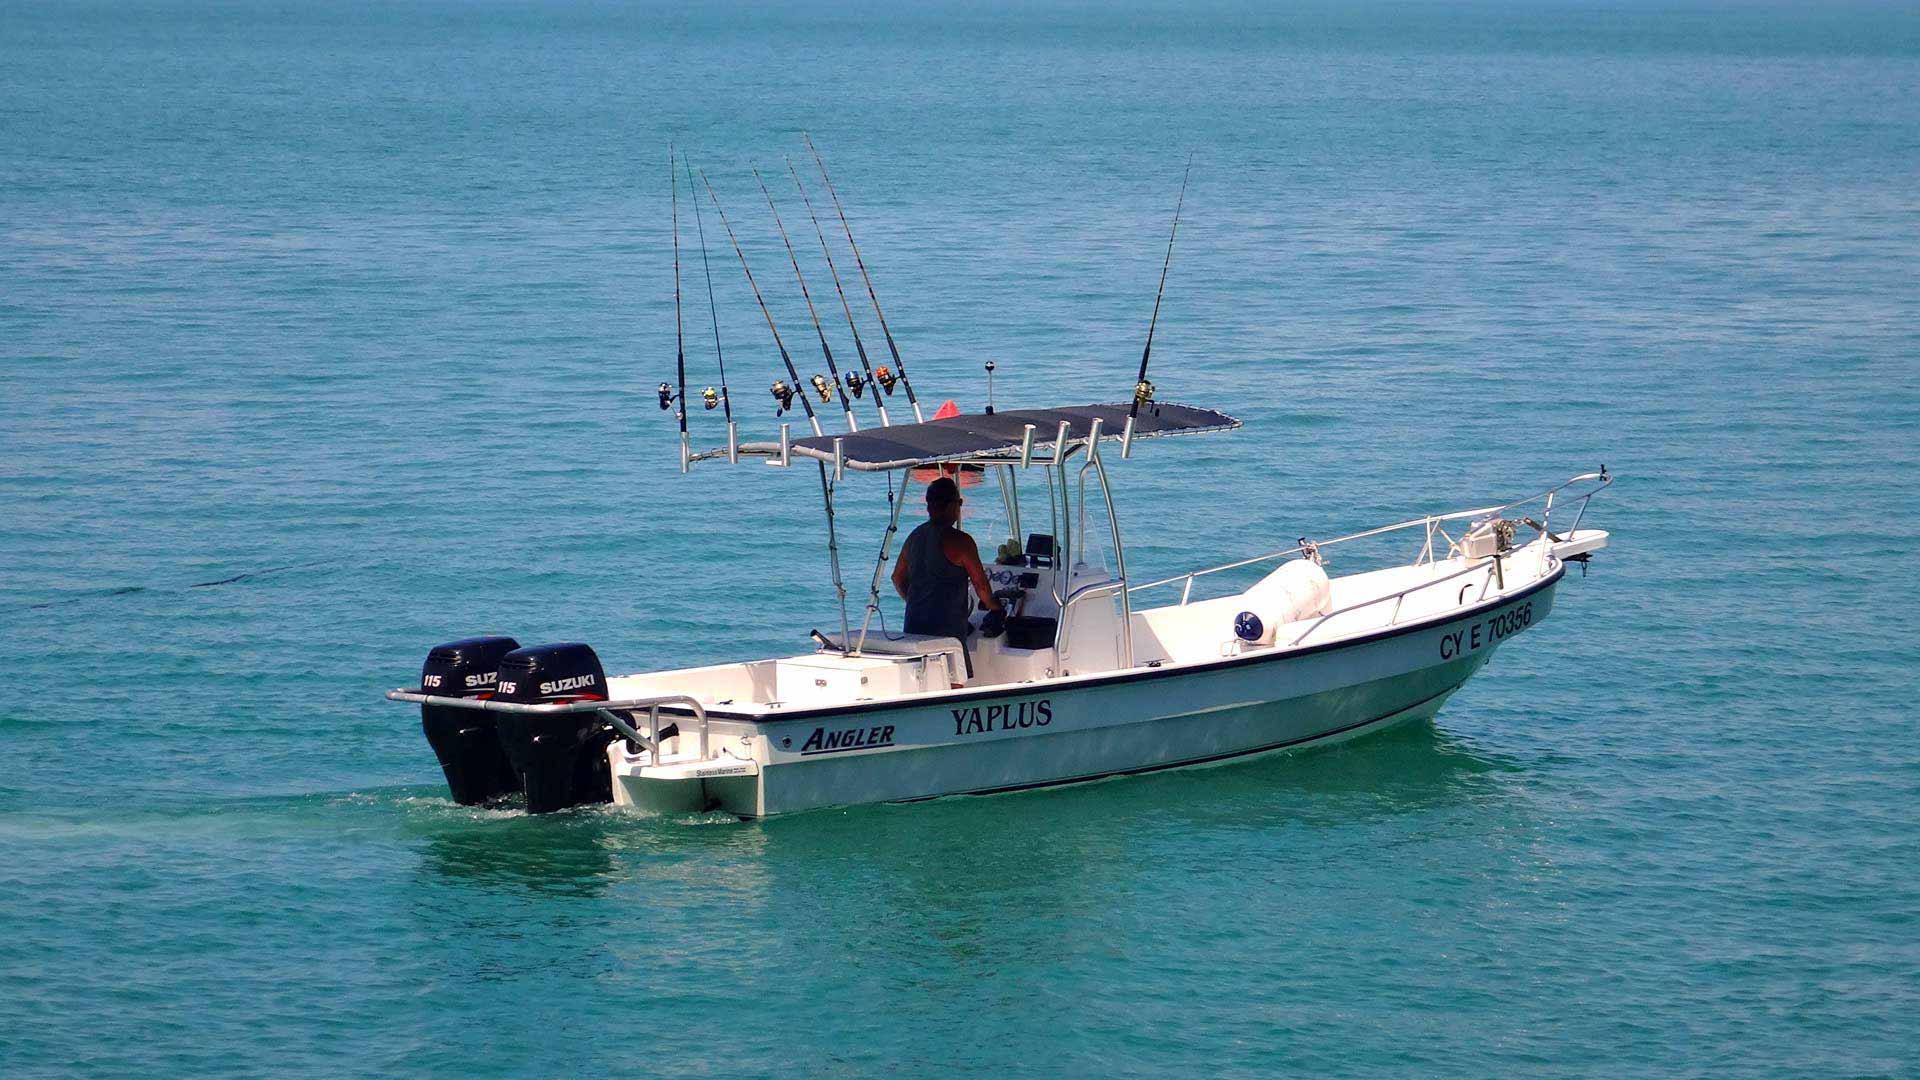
x: 999, y: 435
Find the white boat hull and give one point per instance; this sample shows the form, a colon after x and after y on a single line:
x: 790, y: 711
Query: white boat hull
x: 1080, y: 729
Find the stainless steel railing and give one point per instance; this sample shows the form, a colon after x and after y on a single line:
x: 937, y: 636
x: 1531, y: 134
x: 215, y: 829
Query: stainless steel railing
x: 609, y: 710
x: 1431, y: 524
x: 1489, y: 566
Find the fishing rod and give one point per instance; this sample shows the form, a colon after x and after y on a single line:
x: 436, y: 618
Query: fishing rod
x: 854, y: 381
x: 833, y: 372
x: 679, y: 329
x: 783, y: 392
x: 1142, y: 389
x: 885, y: 377
x: 725, y: 400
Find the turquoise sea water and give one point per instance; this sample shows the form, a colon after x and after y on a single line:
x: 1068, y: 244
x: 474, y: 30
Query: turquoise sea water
x: 329, y: 332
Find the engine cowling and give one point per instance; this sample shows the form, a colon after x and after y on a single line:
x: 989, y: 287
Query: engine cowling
x: 561, y: 757
x: 466, y: 740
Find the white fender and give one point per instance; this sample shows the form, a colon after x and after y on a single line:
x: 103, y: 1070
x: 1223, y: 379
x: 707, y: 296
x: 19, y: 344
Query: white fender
x: 1298, y: 590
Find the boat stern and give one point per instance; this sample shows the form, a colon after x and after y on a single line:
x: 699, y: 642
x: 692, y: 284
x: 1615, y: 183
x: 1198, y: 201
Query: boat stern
x: 689, y: 785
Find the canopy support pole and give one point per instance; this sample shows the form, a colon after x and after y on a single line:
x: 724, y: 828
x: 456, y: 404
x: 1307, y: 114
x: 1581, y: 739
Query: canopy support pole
x: 1063, y: 526
x: 1053, y: 510
x: 1093, y: 441
x: 833, y: 556
x: 1119, y: 554
x: 1010, y: 494
x: 880, y: 564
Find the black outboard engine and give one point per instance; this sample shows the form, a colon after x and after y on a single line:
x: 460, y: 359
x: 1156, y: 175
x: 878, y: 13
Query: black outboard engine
x: 561, y: 757
x: 464, y: 739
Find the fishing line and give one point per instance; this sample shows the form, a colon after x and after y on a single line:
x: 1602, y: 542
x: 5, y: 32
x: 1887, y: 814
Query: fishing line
x: 819, y: 384
x: 854, y: 379
x: 783, y: 392
x: 1142, y: 389
x: 726, y: 401
x: 885, y: 376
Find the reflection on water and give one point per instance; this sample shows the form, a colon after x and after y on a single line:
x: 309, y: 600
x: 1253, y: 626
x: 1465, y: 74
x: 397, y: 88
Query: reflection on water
x: 564, y: 854
x: 957, y: 883
x: 982, y: 877
x: 1081, y: 829
x: 1410, y: 768
x: 965, y: 896
x: 1414, y: 767
x: 582, y: 852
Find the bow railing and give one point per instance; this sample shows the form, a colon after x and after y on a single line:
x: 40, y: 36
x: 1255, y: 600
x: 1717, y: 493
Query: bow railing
x: 1432, y: 525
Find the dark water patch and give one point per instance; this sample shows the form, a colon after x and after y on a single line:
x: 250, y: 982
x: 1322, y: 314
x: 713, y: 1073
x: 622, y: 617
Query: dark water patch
x: 109, y: 593
x: 124, y: 590
x: 251, y: 574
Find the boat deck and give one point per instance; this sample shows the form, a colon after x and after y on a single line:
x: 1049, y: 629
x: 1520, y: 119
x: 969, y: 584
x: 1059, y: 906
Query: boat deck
x: 1175, y: 635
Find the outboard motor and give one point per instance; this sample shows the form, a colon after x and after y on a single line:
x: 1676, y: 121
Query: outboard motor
x: 561, y: 757
x: 464, y: 739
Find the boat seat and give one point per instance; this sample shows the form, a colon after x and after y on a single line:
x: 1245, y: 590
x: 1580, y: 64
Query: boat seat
x: 931, y: 648
x: 879, y: 644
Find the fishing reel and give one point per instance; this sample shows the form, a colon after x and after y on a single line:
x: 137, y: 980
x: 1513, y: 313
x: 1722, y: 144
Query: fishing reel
x: 711, y: 398
x: 1142, y: 392
x: 856, y: 385
x: 886, y: 378
x: 1310, y: 551
x: 822, y: 387
x: 783, y: 395
x: 666, y: 397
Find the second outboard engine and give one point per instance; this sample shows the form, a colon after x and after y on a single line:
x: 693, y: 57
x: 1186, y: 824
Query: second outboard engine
x: 561, y: 757
x: 464, y: 739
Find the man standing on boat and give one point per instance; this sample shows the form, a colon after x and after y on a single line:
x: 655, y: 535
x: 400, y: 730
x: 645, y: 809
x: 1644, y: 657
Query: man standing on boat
x: 936, y: 564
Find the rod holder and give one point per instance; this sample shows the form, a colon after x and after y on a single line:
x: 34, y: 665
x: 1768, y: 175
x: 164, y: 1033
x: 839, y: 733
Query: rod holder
x: 1026, y: 446
x: 686, y: 454
x: 1093, y: 439
x: 786, y: 447
x: 733, y: 443
x: 839, y: 460
x: 1060, y: 442
x: 1126, y: 440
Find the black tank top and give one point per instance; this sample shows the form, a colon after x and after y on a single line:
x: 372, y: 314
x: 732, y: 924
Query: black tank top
x: 937, y: 600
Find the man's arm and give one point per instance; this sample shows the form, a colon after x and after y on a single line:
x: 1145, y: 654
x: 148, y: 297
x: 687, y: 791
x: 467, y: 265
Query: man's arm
x: 900, y: 575
x: 962, y: 552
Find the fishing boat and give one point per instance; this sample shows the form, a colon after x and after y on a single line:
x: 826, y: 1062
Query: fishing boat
x: 1084, y: 674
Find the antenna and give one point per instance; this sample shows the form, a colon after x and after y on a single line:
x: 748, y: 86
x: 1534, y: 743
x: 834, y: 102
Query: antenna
x: 1142, y: 389
x: 858, y: 345
x: 900, y: 366
x: 832, y: 371
x: 726, y: 400
x: 784, y: 358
